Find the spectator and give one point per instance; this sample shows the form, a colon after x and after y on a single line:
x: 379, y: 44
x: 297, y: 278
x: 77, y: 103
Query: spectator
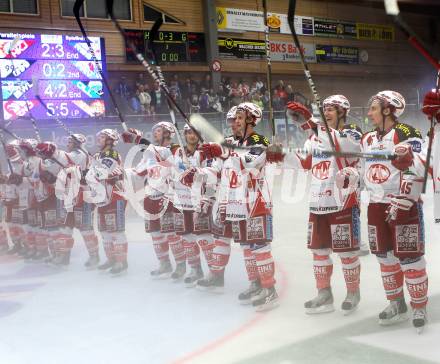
x: 145, y: 100
x: 135, y: 104
x: 290, y: 94
x: 257, y: 100
x: 259, y: 84
x: 204, y: 101
x: 158, y: 100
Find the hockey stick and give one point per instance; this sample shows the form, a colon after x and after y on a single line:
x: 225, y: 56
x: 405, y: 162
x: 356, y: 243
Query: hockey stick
x: 392, y: 9
x: 212, y: 134
x: 8, y: 160
x: 430, y: 141
x: 291, y: 21
x: 269, y: 71
x: 76, y: 11
x: 142, y: 60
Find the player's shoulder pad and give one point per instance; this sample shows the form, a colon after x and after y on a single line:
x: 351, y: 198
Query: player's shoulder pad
x: 257, y: 139
x: 405, y: 132
x: 112, y: 154
x: 351, y: 130
x: 352, y: 126
x: 410, y: 135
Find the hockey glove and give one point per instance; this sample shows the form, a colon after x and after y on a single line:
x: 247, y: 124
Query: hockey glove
x: 132, y: 136
x: 212, y: 150
x: 431, y: 104
x: 301, y: 115
x: 274, y: 153
x: 399, y: 210
x: 347, y: 177
x: 404, y: 156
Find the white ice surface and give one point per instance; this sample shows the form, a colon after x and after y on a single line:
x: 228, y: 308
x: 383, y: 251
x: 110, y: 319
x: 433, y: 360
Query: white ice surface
x: 76, y: 316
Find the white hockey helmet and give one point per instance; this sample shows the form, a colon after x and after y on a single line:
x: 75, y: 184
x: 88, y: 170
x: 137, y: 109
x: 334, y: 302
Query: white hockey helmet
x: 391, y: 99
x: 338, y: 101
x: 232, y: 113
x: 251, y: 110
x: 78, y: 138
x: 165, y: 125
x: 111, y: 134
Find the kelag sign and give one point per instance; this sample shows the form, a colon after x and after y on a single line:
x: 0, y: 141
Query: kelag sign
x: 241, y: 48
x: 334, y: 28
x: 337, y: 54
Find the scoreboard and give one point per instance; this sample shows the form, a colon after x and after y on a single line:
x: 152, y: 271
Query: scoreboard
x: 69, y: 83
x: 171, y: 47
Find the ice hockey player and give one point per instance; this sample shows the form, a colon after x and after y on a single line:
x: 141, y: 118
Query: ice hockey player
x: 221, y: 231
x: 82, y: 214
x: 192, y: 220
x: 156, y: 168
x: 105, y: 181
x: 26, y: 148
x: 15, y: 217
x: 334, y: 224
x: 245, y: 204
x: 395, y: 216
x: 406, y: 214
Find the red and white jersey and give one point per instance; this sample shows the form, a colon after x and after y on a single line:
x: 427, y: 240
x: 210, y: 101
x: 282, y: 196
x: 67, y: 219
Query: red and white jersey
x: 325, y: 197
x: 105, y: 178
x: 434, y: 167
x: 382, y: 180
x: 155, y: 169
x: 187, y: 197
x: 243, y: 187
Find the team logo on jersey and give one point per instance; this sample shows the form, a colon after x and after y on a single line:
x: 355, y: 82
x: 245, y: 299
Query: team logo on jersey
x: 378, y: 173
x: 234, y: 180
x: 321, y: 170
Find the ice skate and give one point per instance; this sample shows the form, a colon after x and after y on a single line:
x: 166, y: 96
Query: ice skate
x: 322, y: 303
x: 194, y: 275
x: 92, y: 262
x: 419, y: 319
x: 118, y: 268
x: 106, y: 266
x: 265, y: 300
x: 30, y: 254
x: 15, y: 249
x: 214, y: 283
x: 351, y: 302
x: 41, y: 256
x: 163, y: 272
x: 394, y: 313
x: 245, y: 297
x: 179, y: 272
x: 62, y: 260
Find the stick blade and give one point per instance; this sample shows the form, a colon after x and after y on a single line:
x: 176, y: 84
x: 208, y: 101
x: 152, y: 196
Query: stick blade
x: 391, y: 7
x: 205, y: 129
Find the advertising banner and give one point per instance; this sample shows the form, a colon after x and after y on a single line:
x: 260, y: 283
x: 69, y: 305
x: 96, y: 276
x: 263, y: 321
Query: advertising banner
x: 337, y: 54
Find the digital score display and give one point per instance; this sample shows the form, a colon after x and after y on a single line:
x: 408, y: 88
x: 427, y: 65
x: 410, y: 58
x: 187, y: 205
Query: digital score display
x: 69, y: 83
x: 170, y: 47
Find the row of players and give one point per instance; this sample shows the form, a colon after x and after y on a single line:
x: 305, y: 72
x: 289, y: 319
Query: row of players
x: 200, y: 197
